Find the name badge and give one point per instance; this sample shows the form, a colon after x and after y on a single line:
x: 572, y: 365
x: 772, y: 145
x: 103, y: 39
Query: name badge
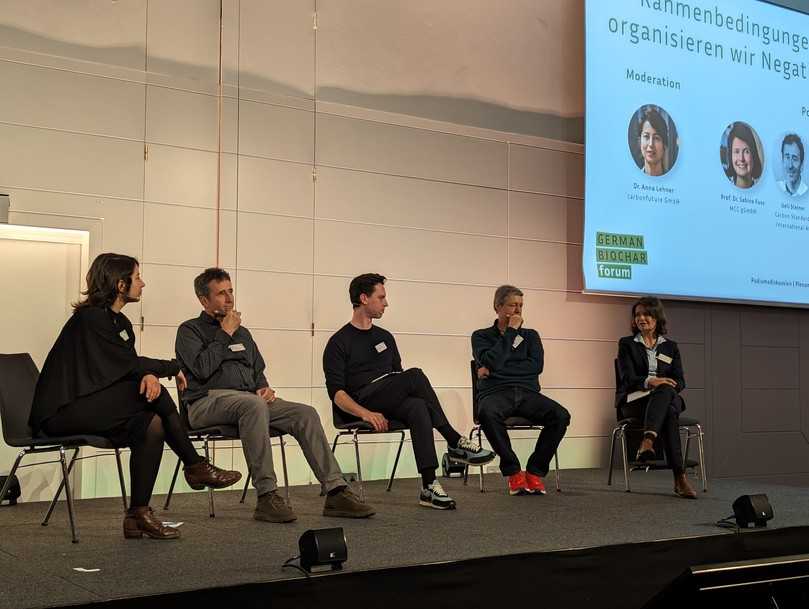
x: 380, y: 347
x: 664, y: 358
x: 517, y: 342
x: 123, y: 334
x: 236, y: 347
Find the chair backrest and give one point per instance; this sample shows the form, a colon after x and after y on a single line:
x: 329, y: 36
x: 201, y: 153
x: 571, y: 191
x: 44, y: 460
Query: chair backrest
x: 18, y: 380
x: 473, y: 368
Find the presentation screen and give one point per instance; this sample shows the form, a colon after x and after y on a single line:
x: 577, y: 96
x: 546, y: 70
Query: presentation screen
x: 697, y: 126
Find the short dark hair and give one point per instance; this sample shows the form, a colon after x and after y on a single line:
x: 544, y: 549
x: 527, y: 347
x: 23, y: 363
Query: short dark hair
x: 103, y: 277
x: 503, y: 292
x: 744, y: 132
x: 652, y: 116
x: 792, y: 139
x: 654, y: 308
x: 363, y: 284
x: 202, y: 281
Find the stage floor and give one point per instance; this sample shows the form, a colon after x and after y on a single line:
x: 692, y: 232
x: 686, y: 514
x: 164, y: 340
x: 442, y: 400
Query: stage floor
x: 38, y: 564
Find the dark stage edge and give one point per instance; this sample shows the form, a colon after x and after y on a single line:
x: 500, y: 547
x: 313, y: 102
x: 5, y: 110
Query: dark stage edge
x: 583, y: 547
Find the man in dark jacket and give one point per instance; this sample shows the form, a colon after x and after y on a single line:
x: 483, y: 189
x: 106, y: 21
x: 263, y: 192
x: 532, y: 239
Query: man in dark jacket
x: 510, y: 359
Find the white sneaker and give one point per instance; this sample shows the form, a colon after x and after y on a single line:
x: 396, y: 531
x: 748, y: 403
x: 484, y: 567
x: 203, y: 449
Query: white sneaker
x: 434, y: 496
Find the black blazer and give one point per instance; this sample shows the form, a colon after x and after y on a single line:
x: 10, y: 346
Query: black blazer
x: 634, y: 367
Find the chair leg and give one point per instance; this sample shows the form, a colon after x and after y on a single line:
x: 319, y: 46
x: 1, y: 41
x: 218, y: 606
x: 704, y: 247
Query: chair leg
x: 556, y: 462
x: 121, y: 477
x: 701, y: 447
x: 69, y: 494
x: 246, y: 486
x: 625, y: 459
x: 14, y: 467
x: 284, y: 467
x: 466, y: 467
x: 359, y: 467
x: 171, y: 486
x: 687, y: 446
x: 211, y: 512
x: 480, y: 443
x: 612, y: 456
x: 396, y: 461
x: 58, y: 493
x: 334, y: 444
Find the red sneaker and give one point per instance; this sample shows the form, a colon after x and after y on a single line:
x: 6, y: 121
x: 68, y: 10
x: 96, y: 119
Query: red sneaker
x: 516, y: 484
x: 534, y: 484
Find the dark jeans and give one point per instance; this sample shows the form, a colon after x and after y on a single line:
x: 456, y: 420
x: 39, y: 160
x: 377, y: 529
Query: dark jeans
x: 495, y: 408
x: 660, y: 412
x: 408, y: 397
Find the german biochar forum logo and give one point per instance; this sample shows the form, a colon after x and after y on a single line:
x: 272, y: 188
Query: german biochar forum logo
x: 616, y: 253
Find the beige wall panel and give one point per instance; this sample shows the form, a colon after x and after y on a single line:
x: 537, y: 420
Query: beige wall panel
x: 770, y: 327
x: 546, y: 217
x: 767, y: 410
x: 179, y: 235
x: 228, y: 243
x: 274, y: 243
x: 552, y: 266
x: 577, y: 453
x: 275, y: 300
x: 228, y: 182
x: 693, y: 356
x: 275, y: 187
x: 85, y: 164
x: 382, y: 199
x: 183, y: 39
x: 89, y: 30
x: 383, y: 148
x: 444, y: 359
x: 578, y: 364
x: 546, y: 171
x: 276, y: 132
x: 568, y: 315
x: 287, y: 355
x: 413, y: 306
x: 122, y: 226
x: 407, y: 253
x: 770, y: 368
x: 59, y: 99
x: 181, y: 176
x: 181, y: 118
x: 168, y: 298
x: 230, y: 125
x: 686, y: 321
x: 276, y: 51
x: 158, y: 342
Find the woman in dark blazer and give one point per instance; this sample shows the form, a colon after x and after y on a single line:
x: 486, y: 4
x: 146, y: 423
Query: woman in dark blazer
x: 651, y: 379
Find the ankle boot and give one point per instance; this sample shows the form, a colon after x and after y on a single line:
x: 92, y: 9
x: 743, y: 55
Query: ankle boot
x: 140, y: 521
x: 646, y: 451
x: 683, y: 488
x: 204, y: 474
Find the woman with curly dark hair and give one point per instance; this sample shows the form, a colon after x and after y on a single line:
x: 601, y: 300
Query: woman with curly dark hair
x: 651, y: 379
x: 94, y: 382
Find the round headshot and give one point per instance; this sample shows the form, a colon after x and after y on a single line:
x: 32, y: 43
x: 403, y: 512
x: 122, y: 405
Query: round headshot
x: 653, y: 140
x: 789, y: 172
x: 742, y: 155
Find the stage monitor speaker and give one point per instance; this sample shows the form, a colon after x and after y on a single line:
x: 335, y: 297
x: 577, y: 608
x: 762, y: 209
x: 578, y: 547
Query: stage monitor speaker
x: 752, y: 509
x: 780, y: 581
x: 323, y: 547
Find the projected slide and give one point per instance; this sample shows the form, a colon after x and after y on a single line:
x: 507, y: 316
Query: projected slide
x: 696, y: 130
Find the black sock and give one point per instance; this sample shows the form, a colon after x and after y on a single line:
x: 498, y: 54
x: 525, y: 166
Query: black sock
x: 449, y: 434
x: 427, y: 477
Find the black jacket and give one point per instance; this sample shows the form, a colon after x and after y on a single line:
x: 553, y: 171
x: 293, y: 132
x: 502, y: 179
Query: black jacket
x: 634, y: 367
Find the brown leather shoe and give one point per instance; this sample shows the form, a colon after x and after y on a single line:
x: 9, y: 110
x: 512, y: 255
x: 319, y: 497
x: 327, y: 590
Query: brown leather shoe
x: 683, y: 488
x: 345, y: 504
x: 646, y: 451
x: 204, y: 474
x: 141, y: 521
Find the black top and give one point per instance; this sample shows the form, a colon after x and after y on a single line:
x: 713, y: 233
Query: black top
x: 353, y: 358
x: 633, y: 365
x: 94, y: 350
x: 512, y: 362
x: 212, y: 359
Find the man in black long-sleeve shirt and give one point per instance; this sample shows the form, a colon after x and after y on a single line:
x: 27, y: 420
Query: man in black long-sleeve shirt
x: 510, y: 359
x: 227, y: 386
x: 364, y: 378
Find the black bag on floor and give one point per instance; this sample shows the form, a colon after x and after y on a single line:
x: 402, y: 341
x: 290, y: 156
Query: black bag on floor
x: 13, y: 493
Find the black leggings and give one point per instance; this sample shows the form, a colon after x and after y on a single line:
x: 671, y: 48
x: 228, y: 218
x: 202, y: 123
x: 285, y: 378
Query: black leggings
x: 660, y: 412
x: 123, y: 415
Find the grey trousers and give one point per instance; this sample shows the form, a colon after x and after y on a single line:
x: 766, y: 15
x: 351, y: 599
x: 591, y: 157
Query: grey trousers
x: 254, y: 417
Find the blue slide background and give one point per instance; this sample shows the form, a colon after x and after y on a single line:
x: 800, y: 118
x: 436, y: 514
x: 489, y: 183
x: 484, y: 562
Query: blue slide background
x: 699, y: 244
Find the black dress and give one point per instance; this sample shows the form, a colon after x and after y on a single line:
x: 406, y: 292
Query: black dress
x: 91, y: 378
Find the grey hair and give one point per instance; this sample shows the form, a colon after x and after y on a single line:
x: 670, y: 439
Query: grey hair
x: 503, y: 292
